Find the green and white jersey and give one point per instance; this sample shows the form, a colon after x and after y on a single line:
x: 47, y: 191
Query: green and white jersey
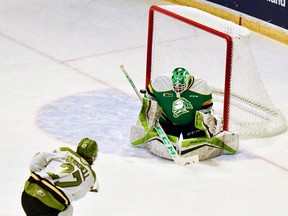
x: 180, y: 110
x: 66, y: 170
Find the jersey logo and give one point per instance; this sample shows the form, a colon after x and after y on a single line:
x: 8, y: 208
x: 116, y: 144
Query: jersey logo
x: 180, y: 107
x: 40, y: 192
x: 194, y: 96
x: 167, y: 95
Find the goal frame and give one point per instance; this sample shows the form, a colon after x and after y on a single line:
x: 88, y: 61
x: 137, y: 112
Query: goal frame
x: 229, y: 47
x: 219, y: 52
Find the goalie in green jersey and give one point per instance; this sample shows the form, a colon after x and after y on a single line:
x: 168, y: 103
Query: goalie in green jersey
x: 183, y: 106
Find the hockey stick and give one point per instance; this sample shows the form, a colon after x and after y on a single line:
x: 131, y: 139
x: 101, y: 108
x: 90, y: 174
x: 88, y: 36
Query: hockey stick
x: 183, y: 161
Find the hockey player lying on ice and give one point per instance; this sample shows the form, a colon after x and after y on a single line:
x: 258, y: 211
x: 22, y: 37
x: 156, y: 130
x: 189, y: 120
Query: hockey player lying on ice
x: 183, y: 106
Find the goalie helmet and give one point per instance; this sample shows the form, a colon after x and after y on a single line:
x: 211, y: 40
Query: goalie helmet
x: 180, y: 79
x: 88, y: 149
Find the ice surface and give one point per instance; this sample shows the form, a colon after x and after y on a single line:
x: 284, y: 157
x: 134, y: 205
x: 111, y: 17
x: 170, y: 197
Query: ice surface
x: 60, y: 81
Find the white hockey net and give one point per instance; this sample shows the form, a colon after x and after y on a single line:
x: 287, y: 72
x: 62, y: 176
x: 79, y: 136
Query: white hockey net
x: 219, y: 52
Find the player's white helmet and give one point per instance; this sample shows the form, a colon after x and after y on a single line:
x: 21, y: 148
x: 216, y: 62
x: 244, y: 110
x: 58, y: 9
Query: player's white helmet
x: 180, y: 79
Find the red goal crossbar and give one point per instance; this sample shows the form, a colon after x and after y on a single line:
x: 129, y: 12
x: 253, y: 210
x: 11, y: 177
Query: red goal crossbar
x: 229, y: 45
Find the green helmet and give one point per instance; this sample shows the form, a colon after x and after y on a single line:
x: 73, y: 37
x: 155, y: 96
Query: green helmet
x: 180, y: 79
x: 88, y: 149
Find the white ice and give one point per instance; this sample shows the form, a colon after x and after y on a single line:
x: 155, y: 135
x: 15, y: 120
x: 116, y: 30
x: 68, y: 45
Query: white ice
x: 60, y: 81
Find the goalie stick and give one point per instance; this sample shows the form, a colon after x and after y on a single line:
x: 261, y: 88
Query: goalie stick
x: 182, y: 161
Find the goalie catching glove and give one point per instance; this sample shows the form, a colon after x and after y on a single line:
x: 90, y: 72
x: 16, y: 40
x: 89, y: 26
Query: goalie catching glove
x: 209, y: 123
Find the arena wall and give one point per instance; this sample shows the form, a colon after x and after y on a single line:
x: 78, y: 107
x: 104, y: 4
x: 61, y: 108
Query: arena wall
x: 266, y: 17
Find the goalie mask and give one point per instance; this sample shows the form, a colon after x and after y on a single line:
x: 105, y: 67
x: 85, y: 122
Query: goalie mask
x: 88, y: 149
x: 180, y: 79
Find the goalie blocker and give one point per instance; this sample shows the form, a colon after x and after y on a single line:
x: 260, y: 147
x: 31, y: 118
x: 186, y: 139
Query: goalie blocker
x: 216, y: 142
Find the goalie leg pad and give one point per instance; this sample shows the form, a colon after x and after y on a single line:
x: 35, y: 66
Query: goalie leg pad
x: 151, y: 141
x: 204, y: 152
x: 156, y: 147
x: 225, y: 142
x: 231, y: 142
x: 139, y: 136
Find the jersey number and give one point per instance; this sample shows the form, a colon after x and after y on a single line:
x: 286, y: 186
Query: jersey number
x: 68, y: 168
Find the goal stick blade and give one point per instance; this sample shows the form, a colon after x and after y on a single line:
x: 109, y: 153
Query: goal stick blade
x: 182, y: 161
x: 179, y: 144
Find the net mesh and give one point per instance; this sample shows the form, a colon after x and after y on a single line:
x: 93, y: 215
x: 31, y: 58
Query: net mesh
x: 177, y: 42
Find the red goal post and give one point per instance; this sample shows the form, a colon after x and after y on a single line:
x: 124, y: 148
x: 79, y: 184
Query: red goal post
x: 219, y: 52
